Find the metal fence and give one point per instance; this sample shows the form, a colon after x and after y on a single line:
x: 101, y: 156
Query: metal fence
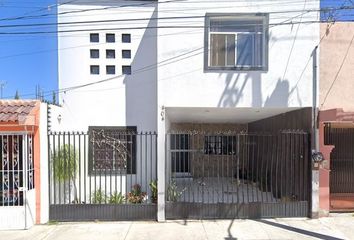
x: 16, y: 168
x: 238, y: 175
x: 342, y: 159
x: 104, y: 174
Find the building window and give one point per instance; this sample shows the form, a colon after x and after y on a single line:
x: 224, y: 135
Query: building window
x: 180, y: 153
x: 220, y: 145
x: 126, y: 70
x: 126, y: 54
x: 110, y: 70
x: 94, y: 53
x: 126, y: 38
x: 94, y: 37
x: 236, y: 42
x: 112, y: 149
x: 110, y: 38
x: 95, y: 69
x: 110, y: 53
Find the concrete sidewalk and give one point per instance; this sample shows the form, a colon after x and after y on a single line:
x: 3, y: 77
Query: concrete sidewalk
x: 340, y: 226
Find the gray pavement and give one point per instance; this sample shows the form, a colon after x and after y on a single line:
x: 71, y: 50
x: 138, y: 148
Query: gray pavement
x: 338, y: 226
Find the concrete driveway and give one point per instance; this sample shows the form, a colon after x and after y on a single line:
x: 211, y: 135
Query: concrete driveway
x: 339, y: 226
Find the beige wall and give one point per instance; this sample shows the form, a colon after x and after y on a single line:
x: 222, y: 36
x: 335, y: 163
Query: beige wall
x: 336, y: 59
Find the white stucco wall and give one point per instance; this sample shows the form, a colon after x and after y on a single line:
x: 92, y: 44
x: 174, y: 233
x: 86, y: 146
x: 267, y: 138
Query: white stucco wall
x: 287, y: 83
x: 179, y: 80
x: 43, y: 138
x: 124, y: 100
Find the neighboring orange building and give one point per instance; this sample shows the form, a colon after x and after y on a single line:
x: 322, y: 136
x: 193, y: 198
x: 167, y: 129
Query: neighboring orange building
x: 336, y: 117
x: 22, y: 125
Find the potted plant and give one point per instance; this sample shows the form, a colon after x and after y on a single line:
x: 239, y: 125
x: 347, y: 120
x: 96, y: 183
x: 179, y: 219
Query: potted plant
x: 173, y: 194
x: 65, y: 165
x: 153, y: 188
x: 136, y: 195
x: 116, y: 198
x: 98, y: 197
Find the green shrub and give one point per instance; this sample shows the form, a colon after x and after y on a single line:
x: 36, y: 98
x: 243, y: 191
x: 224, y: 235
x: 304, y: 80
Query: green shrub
x: 116, y: 198
x: 98, y: 197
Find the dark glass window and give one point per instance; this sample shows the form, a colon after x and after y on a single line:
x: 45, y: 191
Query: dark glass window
x: 126, y: 38
x: 94, y: 37
x: 95, y: 69
x: 110, y: 70
x: 126, y: 54
x: 110, y: 38
x: 126, y: 70
x: 180, y: 145
x: 94, y: 53
x: 220, y: 145
x: 113, y: 149
x: 110, y: 53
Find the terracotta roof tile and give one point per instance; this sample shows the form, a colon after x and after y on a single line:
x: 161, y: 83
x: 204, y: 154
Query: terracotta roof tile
x: 14, y: 110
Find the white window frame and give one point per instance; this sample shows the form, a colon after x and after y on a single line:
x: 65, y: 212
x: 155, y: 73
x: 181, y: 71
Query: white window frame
x: 241, y: 16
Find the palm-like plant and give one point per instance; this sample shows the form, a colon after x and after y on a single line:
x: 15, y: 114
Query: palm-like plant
x: 65, y: 163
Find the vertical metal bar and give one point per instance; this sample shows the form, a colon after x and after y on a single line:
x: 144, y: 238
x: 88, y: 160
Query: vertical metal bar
x: 74, y: 173
x: 2, y: 190
x: 85, y: 169
x: 18, y: 170
x: 79, y: 165
x: 12, y: 170
x: 151, y: 161
x: 64, y: 166
x: 141, y: 161
x: 25, y: 178
x: 69, y: 165
x: 60, y: 157
x: 145, y: 161
x: 8, y: 169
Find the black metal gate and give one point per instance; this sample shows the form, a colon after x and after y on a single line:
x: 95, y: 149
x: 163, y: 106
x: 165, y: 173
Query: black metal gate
x: 342, y: 159
x: 108, y: 173
x: 238, y: 175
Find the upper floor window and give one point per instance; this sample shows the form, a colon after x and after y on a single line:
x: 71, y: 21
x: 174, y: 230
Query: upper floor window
x: 94, y: 53
x: 110, y: 38
x: 94, y: 37
x: 236, y: 42
x: 126, y: 38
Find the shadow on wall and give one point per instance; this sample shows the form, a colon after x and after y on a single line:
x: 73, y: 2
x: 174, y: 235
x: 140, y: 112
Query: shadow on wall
x: 232, y: 93
x: 141, y: 87
x: 280, y: 95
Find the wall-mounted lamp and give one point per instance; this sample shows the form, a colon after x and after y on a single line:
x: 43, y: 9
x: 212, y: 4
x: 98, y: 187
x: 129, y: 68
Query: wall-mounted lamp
x: 59, y: 118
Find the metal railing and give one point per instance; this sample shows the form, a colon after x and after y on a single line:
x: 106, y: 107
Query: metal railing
x: 16, y: 168
x: 238, y: 169
x: 105, y: 167
x: 342, y: 159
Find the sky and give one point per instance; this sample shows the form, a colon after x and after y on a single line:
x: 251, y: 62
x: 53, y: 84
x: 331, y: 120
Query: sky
x: 30, y: 60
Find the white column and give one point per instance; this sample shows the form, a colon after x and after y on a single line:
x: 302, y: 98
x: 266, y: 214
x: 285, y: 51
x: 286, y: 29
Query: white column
x: 43, y: 138
x: 161, y: 165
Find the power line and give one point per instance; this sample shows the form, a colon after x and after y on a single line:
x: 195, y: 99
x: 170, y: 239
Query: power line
x: 159, y: 18
x: 140, y: 70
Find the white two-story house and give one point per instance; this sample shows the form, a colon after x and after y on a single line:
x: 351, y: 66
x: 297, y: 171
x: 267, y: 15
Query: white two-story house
x: 180, y: 68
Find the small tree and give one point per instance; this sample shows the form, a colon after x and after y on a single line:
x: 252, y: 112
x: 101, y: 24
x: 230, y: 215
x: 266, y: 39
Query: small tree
x: 17, y: 96
x: 65, y: 161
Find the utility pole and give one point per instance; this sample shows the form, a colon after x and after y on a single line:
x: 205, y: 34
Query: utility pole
x: 2, y: 85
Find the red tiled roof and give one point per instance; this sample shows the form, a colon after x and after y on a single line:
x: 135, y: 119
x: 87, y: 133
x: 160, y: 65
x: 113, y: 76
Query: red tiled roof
x: 16, y: 110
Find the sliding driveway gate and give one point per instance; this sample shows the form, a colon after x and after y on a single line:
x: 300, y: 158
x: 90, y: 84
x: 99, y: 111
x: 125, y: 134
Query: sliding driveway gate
x: 104, y: 174
x: 238, y: 175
